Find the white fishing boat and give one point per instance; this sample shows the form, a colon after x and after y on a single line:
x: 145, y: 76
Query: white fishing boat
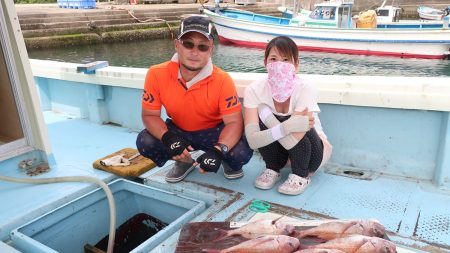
x: 255, y: 30
x: 288, y: 13
x: 429, y: 13
x: 387, y: 16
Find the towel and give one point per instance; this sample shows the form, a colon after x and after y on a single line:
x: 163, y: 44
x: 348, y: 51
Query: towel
x: 117, y: 160
x: 138, y: 163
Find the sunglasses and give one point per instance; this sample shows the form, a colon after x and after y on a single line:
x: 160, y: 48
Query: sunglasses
x: 190, y: 45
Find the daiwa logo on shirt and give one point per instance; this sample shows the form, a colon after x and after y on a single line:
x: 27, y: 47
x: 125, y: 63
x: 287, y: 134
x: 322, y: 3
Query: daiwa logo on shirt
x: 232, y: 101
x: 148, y: 97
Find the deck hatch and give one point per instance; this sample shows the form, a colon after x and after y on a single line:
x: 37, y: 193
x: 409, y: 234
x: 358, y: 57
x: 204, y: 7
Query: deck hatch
x: 85, y: 220
x: 351, y: 172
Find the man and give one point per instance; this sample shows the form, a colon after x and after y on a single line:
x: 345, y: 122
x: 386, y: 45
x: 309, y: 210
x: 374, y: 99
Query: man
x: 203, y: 109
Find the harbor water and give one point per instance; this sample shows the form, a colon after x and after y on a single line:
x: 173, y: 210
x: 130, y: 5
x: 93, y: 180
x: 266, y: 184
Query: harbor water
x: 239, y: 59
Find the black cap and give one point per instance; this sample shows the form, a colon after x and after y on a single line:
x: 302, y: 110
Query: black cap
x: 198, y: 24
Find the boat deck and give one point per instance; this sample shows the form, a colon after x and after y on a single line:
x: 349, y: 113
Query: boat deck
x: 417, y: 213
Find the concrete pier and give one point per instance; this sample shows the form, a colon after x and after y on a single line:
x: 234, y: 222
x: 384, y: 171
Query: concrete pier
x: 47, y: 25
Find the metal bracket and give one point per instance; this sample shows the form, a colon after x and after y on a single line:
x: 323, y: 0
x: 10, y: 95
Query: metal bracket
x: 89, y: 68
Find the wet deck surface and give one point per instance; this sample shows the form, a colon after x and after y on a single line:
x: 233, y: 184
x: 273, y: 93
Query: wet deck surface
x: 410, y: 210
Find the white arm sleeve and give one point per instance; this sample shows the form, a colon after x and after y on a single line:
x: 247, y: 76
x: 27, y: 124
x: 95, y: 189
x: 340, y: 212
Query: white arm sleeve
x: 257, y: 138
x: 267, y: 117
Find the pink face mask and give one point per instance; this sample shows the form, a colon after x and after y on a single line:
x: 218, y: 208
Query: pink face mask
x: 282, y: 78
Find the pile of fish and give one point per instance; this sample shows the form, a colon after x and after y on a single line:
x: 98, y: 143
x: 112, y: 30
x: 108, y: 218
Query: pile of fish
x: 276, y: 236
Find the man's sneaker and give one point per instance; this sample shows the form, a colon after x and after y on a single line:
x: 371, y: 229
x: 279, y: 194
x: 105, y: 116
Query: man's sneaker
x: 229, y: 173
x: 294, y: 185
x: 179, y: 171
x: 267, y: 179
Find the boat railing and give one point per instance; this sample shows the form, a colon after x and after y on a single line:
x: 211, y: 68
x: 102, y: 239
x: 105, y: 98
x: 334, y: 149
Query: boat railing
x: 422, y: 93
x: 415, y: 104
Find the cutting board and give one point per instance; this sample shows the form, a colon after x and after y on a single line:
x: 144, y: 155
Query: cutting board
x: 138, y: 166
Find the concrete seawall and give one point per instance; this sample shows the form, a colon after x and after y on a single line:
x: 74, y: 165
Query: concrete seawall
x: 47, y: 26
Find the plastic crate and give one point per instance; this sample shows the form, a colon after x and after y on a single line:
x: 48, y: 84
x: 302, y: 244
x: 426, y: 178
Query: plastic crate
x: 63, y: 3
x: 77, y: 4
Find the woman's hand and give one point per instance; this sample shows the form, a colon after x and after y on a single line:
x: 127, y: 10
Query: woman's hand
x: 309, y: 114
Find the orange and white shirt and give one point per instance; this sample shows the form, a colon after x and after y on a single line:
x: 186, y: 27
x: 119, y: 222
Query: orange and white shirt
x: 196, y: 105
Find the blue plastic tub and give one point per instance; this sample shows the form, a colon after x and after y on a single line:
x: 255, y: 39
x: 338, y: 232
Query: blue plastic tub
x: 85, y: 220
x: 77, y: 4
x: 63, y: 3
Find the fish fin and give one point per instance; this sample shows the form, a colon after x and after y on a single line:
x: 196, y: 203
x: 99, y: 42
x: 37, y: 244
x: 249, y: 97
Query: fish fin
x: 279, y: 218
x: 222, y: 234
x: 364, y: 241
x: 282, y: 216
x: 350, y: 225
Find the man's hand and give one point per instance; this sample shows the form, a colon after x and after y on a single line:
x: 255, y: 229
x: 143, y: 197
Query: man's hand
x: 210, y: 161
x: 176, y: 144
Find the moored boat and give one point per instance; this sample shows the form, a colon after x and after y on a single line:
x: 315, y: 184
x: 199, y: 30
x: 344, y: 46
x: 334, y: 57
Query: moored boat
x: 287, y: 13
x: 255, y: 30
x: 429, y: 13
x: 387, y: 16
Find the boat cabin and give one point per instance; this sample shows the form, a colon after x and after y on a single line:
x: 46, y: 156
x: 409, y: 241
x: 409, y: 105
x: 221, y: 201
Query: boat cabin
x: 388, y: 14
x: 329, y: 14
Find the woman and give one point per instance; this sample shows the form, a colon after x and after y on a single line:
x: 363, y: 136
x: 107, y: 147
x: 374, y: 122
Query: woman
x: 281, y: 120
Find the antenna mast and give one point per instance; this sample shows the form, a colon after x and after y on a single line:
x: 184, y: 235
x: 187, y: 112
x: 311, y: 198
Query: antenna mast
x: 297, y: 7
